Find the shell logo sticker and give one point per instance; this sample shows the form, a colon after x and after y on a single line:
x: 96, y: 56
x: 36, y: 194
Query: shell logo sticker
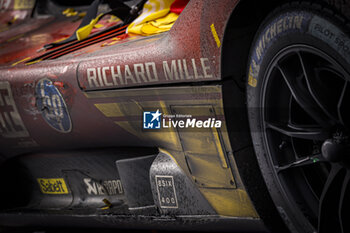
x: 52, y: 106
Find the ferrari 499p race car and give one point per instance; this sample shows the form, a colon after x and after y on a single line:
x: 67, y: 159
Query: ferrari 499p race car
x: 198, y: 115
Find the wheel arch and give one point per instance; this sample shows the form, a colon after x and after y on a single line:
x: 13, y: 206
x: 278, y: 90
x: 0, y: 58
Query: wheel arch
x: 239, y: 34
x: 244, y: 22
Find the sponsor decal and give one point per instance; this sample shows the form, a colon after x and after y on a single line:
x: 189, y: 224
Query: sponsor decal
x: 11, y: 124
x: 301, y: 22
x: 148, y: 72
x: 107, y: 187
x: 253, y: 72
x: 53, y: 186
x: 166, y: 191
x: 52, y: 106
x: 153, y: 120
x: 277, y: 28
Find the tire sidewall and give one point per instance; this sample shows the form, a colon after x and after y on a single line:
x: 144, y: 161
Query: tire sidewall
x: 283, y: 28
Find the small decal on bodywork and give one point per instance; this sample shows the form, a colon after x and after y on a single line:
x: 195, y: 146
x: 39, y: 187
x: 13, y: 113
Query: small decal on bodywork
x: 166, y: 191
x: 107, y: 187
x: 52, y: 106
x: 149, y: 72
x: 53, y: 186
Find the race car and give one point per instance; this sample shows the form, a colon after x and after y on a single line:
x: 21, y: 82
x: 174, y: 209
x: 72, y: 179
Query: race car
x: 175, y: 114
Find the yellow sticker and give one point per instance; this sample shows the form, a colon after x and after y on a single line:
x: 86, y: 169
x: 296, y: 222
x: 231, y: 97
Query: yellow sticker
x: 215, y: 35
x: 53, y: 186
x: 251, y: 80
x: 23, y: 4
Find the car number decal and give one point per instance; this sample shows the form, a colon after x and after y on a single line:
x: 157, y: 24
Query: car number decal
x: 52, y: 106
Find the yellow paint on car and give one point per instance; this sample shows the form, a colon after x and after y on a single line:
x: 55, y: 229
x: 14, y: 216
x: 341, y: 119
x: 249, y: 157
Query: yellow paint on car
x: 23, y: 60
x: 33, y: 62
x: 110, y: 109
x: 215, y: 35
x: 220, y: 149
x: 107, y: 203
x: 228, y: 202
x: 205, y: 155
x: 15, y: 37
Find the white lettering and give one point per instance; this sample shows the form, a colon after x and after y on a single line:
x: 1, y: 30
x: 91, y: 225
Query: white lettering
x: 108, y: 187
x: 179, y: 69
x: 128, y: 75
x: 99, y: 75
x: 140, y: 72
x: 91, y: 189
x: 205, y: 68
x: 154, y: 69
x: 190, y: 123
x: 181, y: 72
x: 104, y: 69
x: 91, y: 76
x: 170, y: 73
x: 117, y: 75
x: 188, y: 76
x: 196, y: 76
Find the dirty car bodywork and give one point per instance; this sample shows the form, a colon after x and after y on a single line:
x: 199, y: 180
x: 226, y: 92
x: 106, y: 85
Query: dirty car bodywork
x: 74, y: 148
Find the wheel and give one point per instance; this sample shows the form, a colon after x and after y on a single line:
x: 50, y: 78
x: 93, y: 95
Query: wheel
x: 298, y: 97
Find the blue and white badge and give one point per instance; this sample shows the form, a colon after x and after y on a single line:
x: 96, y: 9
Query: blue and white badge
x: 151, y: 120
x: 52, y: 106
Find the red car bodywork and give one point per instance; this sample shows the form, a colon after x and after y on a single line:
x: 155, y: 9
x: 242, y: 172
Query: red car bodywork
x: 106, y: 87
